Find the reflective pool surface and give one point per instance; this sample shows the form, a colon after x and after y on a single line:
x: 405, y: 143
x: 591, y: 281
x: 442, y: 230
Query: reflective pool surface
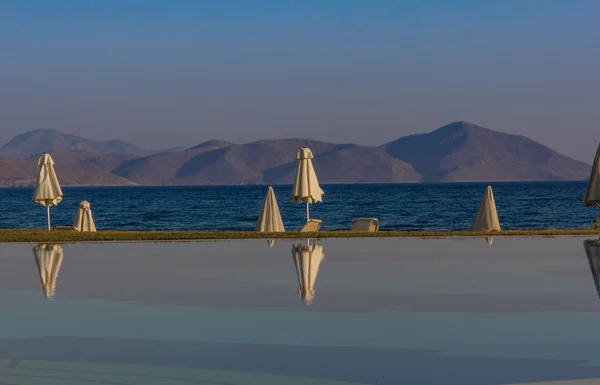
x: 332, y: 311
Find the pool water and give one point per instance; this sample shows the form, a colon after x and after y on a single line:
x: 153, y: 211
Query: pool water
x: 335, y: 311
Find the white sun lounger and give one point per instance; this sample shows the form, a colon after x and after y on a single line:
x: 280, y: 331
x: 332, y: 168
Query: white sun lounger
x: 365, y: 224
x: 65, y: 228
x: 312, y: 226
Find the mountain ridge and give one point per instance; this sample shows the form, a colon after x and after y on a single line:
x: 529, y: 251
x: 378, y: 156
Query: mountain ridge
x: 456, y: 152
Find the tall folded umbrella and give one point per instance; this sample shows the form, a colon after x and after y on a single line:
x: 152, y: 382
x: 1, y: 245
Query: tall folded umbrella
x: 307, y: 260
x: 48, y: 258
x: 592, y: 193
x: 269, y: 220
x: 83, y: 219
x: 47, y: 192
x: 486, y: 218
x: 306, y: 186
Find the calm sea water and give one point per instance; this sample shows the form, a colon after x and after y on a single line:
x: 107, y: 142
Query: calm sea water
x: 547, y: 205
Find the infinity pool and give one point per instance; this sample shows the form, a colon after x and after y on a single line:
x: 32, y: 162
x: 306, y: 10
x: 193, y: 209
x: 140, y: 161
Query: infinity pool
x: 333, y: 311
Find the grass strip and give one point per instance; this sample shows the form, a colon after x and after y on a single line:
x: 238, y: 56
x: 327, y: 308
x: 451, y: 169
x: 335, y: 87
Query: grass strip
x: 8, y: 236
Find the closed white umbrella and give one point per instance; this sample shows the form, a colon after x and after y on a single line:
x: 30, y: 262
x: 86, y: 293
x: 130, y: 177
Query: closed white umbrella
x: 269, y: 220
x: 47, y: 192
x: 486, y: 218
x: 306, y: 186
x: 592, y: 193
x: 48, y: 258
x: 83, y: 219
x: 307, y: 260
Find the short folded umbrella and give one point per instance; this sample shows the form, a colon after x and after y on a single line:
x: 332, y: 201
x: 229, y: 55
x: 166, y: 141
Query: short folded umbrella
x: 486, y: 218
x: 269, y: 220
x: 83, y: 219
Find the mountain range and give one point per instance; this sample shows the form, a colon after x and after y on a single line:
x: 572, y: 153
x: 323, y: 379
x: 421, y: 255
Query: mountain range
x: 457, y: 152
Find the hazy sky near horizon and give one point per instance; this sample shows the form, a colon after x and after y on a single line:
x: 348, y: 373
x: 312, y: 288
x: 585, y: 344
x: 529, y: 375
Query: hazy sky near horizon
x: 166, y: 73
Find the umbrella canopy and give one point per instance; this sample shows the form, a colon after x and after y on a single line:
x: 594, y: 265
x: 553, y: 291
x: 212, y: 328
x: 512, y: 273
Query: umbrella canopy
x: 83, y: 219
x: 307, y: 260
x: 592, y: 249
x: 269, y: 220
x: 306, y: 186
x: 47, y: 192
x: 592, y: 193
x: 486, y: 218
x: 48, y: 258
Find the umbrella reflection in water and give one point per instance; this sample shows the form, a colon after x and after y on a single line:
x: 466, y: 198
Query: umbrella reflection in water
x: 592, y: 249
x: 15, y: 360
x: 307, y: 259
x: 48, y: 258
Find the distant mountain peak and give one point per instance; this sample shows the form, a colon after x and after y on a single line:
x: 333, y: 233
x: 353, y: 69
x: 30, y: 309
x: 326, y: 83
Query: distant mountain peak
x: 46, y: 130
x: 172, y: 149
x: 42, y: 140
x: 463, y: 151
x: 212, y: 144
x: 460, y: 126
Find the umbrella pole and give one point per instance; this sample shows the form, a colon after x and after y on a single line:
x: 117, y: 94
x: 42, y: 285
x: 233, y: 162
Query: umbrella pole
x: 48, y: 209
x: 307, y: 212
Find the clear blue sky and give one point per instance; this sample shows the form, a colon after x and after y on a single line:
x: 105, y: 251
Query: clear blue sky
x: 163, y: 73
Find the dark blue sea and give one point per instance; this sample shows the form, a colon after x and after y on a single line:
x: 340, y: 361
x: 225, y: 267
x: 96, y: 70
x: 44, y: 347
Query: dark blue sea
x: 535, y: 205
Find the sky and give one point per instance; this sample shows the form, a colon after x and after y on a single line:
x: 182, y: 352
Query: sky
x: 179, y: 72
